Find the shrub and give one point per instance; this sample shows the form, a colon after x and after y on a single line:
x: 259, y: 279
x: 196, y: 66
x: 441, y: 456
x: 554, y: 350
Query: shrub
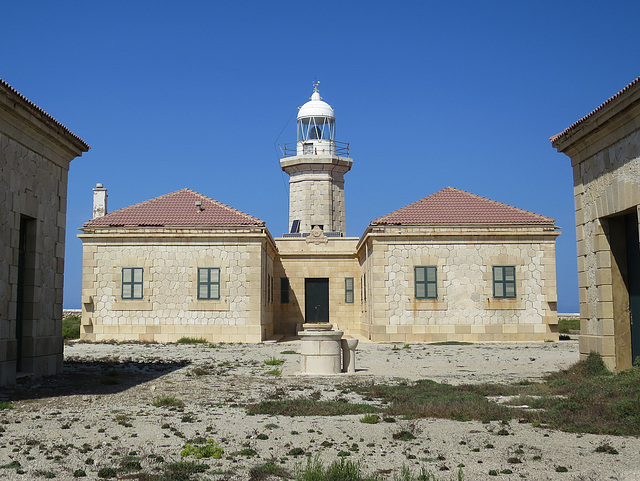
x: 209, y: 450
x: 606, y: 448
x: 107, y: 473
x: 71, y: 327
x: 266, y: 470
x: 403, y: 435
x: 370, y: 419
x: 566, y: 325
x: 5, y: 405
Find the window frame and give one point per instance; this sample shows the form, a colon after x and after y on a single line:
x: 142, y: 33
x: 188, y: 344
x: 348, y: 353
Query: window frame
x: 284, y: 290
x: 504, y: 282
x: 426, y: 282
x: 208, y: 283
x: 132, y: 283
x: 349, y: 290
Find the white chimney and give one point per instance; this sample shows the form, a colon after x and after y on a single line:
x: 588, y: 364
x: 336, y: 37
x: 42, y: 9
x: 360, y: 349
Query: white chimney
x: 99, y: 201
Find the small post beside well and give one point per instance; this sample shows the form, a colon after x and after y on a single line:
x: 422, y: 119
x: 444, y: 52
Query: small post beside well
x: 349, y: 355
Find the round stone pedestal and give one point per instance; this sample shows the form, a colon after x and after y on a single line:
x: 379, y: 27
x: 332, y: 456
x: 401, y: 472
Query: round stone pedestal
x: 320, y: 351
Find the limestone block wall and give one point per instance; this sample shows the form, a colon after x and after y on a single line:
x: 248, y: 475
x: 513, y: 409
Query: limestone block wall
x: 465, y: 309
x: 170, y: 308
x: 335, y: 260
x: 606, y: 183
x: 32, y: 188
x: 316, y: 191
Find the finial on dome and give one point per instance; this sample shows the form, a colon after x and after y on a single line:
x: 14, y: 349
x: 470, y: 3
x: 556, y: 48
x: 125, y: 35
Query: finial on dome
x: 316, y: 82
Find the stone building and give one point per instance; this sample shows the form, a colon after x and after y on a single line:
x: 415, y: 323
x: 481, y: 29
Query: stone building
x: 604, y: 148
x: 179, y: 265
x: 35, y: 152
x: 452, y: 266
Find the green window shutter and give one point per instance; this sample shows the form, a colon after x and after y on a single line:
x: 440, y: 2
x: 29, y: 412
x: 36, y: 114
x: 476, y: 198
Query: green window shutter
x: 348, y: 290
x: 426, y: 282
x: 504, y: 282
x: 208, y: 283
x: 132, y: 282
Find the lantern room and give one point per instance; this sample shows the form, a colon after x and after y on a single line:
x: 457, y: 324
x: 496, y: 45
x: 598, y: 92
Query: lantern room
x: 316, y: 126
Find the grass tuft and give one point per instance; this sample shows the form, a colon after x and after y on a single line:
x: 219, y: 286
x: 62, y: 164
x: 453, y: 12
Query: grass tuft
x: 167, y: 401
x: 264, y: 472
x: 370, y: 419
x: 192, y: 340
x: 308, y: 407
x: 273, y: 361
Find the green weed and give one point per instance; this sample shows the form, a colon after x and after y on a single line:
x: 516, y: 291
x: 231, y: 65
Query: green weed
x: 167, y: 401
x: 370, y: 419
x: 208, y: 450
x: 273, y: 361
x: 192, y: 340
x: 309, y: 407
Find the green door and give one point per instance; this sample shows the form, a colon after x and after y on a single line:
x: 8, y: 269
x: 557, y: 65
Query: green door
x: 316, y: 300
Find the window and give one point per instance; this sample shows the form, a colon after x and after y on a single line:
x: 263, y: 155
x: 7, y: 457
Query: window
x: 132, y: 282
x: 364, y: 287
x: 208, y: 283
x: 348, y: 290
x: 284, y: 290
x: 504, y: 282
x: 426, y: 282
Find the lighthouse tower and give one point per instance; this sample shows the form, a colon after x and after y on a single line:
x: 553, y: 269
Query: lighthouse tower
x: 316, y: 168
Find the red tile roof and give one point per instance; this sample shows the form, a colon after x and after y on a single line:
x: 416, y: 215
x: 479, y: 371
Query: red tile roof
x: 177, y: 209
x: 455, y: 206
x: 568, y: 130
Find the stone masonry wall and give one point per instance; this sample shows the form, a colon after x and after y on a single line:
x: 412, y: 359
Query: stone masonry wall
x: 465, y: 309
x: 300, y: 260
x: 606, y: 183
x: 31, y: 186
x: 170, y: 308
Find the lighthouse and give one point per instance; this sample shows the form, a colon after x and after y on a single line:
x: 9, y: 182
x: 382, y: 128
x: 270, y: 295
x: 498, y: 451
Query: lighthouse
x: 316, y: 168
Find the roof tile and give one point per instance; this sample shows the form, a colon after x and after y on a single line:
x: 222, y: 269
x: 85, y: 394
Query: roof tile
x: 176, y: 209
x: 573, y: 126
x: 455, y: 206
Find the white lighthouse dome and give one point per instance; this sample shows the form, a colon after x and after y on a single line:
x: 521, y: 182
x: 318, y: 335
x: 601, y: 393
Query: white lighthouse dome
x: 316, y: 107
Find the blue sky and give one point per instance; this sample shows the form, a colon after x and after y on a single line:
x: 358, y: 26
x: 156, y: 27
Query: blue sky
x: 429, y: 94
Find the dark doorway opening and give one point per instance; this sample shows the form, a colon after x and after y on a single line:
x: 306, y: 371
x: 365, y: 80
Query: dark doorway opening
x: 26, y: 286
x: 625, y: 278
x: 316, y: 297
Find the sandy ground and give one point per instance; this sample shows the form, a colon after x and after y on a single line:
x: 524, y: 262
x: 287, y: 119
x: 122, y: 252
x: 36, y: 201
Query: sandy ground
x: 100, y: 409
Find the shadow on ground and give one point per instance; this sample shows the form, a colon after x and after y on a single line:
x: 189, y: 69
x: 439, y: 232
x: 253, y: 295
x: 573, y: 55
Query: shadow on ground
x: 91, y: 378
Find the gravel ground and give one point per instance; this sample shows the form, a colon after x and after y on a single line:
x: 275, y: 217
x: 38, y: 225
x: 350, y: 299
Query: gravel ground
x: 100, y: 410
